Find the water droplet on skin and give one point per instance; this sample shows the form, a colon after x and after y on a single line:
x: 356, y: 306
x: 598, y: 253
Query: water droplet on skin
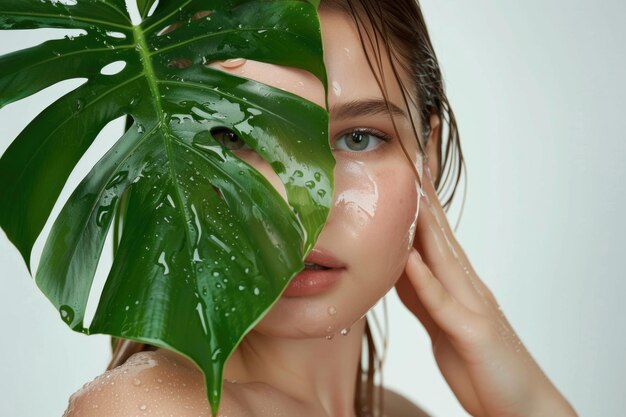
x: 159, y: 380
x: 143, y: 407
x: 344, y: 332
x: 330, y: 336
x: 332, y: 310
x: 136, y: 382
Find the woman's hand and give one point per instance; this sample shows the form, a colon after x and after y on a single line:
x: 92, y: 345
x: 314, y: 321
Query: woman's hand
x: 482, y: 359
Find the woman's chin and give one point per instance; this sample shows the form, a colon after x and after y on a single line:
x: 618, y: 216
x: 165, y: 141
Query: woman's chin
x: 297, y: 318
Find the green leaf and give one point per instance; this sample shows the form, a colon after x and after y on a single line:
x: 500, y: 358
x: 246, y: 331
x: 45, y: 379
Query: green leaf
x: 208, y: 245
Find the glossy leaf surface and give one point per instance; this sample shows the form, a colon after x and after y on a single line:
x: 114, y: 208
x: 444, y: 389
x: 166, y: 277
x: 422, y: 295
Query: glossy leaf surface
x: 208, y: 244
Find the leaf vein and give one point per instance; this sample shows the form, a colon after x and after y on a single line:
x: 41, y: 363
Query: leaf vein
x: 70, y: 18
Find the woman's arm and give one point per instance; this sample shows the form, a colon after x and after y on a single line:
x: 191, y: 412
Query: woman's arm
x: 478, y: 352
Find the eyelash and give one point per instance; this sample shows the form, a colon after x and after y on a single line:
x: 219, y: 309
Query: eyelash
x: 367, y: 131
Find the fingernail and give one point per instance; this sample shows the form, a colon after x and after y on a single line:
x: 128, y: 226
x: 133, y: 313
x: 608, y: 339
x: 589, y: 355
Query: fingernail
x: 414, y: 255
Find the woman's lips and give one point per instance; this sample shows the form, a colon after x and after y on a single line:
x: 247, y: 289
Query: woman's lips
x: 315, y: 281
x: 323, y: 258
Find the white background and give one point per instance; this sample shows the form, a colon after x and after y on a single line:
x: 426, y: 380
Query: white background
x: 539, y: 93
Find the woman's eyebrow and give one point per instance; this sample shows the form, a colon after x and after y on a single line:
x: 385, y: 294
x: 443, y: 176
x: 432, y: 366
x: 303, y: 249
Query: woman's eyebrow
x: 367, y: 107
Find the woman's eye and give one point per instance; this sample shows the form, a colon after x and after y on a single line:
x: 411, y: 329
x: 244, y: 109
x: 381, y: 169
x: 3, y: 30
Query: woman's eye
x: 359, y: 140
x: 228, y: 139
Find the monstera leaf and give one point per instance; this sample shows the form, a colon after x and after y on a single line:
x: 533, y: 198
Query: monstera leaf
x: 208, y: 245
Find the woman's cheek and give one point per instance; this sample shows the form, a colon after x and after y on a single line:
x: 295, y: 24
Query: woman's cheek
x: 375, y: 208
x: 393, y: 227
x: 356, y: 199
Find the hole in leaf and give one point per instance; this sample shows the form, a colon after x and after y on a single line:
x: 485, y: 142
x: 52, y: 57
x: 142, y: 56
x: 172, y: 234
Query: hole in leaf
x: 133, y: 11
x: 113, y: 68
x: 67, y: 2
x: 201, y: 14
x: 180, y: 63
x: 227, y: 138
x: 13, y: 40
x: 218, y: 192
x: 169, y: 29
x: 153, y: 8
x: 117, y: 35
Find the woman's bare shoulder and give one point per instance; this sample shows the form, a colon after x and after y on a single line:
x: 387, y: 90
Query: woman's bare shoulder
x: 397, y: 405
x: 152, y: 384
x: 162, y: 383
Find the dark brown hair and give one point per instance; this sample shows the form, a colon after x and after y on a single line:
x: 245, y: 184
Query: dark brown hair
x: 400, y: 25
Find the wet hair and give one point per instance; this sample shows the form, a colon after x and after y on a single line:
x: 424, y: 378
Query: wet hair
x: 400, y: 25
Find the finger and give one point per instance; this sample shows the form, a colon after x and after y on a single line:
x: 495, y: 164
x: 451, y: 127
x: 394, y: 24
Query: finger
x: 473, y: 335
x: 444, y: 309
x: 431, y: 242
x: 436, y: 241
x: 433, y: 204
x: 408, y: 296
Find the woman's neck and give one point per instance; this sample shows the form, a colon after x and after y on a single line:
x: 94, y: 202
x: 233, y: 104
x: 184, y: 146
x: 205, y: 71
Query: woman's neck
x: 318, y: 372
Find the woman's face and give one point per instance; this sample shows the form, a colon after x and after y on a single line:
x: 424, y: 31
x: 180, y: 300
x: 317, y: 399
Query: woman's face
x: 370, y: 227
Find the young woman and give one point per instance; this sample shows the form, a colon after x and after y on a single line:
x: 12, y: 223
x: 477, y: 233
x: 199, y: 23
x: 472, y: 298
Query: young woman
x: 386, y: 228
